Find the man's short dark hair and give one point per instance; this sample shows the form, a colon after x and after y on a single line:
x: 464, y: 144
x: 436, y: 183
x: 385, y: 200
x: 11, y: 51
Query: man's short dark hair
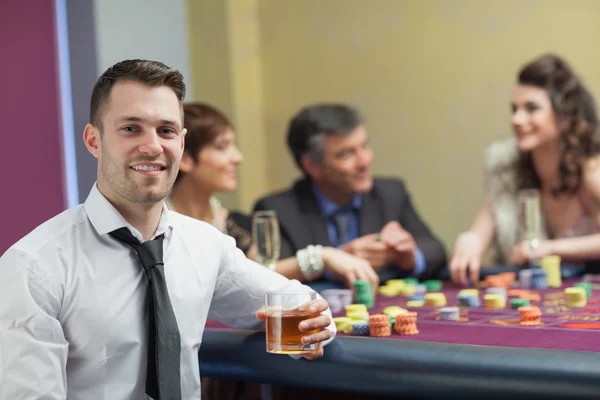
x: 151, y: 73
x: 308, y: 128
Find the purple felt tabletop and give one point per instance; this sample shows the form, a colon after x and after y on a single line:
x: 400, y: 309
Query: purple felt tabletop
x: 562, y: 328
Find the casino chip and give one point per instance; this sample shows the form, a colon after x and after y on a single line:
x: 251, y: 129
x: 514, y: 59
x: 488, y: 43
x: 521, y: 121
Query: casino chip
x: 525, y: 278
x: 551, y: 264
x: 389, y: 291
x: 497, y: 290
x: 333, y: 299
x: 392, y: 311
x: 435, y: 299
x: 415, y: 303
x: 406, y: 324
x: 494, y: 301
x: 364, y: 293
x: 360, y: 329
x: 379, y: 325
x: 576, y: 297
x: 433, y: 285
x: 587, y: 286
x: 538, y: 278
x: 415, y: 296
x: 411, y: 281
x: 530, y: 316
x: 515, y: 304
x: 449, y: 314
x: 343, y: 324
x: 469, y: 300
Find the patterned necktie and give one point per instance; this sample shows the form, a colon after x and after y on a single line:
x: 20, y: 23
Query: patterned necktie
x: 163, y: 379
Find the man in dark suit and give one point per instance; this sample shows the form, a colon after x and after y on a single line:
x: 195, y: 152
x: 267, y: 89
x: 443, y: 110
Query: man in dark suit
x: 338, y: 203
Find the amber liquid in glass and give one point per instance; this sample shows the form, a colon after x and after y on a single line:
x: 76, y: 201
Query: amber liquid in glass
x: 284, y: 335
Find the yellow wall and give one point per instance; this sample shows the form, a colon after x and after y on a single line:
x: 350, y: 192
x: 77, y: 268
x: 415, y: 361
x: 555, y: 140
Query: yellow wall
x: 433, y: 78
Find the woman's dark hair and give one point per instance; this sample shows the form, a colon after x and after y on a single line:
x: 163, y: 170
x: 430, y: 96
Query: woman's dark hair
x: 204, y: 123
x: 572, y: 104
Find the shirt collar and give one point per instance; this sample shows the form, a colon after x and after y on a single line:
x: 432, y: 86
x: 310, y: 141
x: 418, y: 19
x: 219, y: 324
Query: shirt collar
x: 105, y: 218
x: 329, y: 207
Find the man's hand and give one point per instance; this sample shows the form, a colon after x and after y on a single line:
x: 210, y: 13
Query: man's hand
x: 403, y: 244
x: 368, y: 247
x: 348, y: 268
x: 317, y: 326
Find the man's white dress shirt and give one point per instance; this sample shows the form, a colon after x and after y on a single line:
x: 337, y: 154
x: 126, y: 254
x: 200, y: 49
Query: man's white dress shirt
x: 73, y: 321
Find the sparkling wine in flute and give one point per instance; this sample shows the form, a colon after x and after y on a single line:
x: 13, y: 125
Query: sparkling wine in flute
x: 265, y: 235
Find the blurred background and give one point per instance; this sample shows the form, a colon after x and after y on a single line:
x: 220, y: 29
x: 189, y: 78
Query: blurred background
x: 433, y: 78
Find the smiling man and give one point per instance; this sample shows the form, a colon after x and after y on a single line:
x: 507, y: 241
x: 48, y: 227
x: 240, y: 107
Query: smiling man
x: 108, y: 300
x: 339, y: 202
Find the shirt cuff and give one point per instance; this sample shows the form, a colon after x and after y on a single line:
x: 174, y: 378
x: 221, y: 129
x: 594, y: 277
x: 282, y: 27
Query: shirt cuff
x: 420, y: 263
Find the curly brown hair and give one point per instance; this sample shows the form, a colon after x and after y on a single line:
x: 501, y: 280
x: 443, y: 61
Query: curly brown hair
x: 572, y: 103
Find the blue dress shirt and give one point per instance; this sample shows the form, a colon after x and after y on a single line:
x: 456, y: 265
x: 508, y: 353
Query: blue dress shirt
x: 329, y: 208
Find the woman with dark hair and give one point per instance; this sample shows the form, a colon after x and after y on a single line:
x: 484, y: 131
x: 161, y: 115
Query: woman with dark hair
x: 555, y: 150
x: 209, y: 143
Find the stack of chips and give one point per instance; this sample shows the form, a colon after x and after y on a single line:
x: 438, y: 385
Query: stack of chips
x: 406, y: 324
x: 364, y: 293
x: 515, y: 304
x: 508, y: 278
x: 587, y: 286
x: 538, y: 278
x: 357, y: 312
x: 415, y: 303
x: 525, y: 278
x: 497, y: 290
x: 494, y: 281
x: 435, y: 299
x: 379, y: 325
x: 333, y: 299
x: 360, y: 329
x: 449, y: 313
x: 433, y: 285
x: 530, y: 316
x: 494, y: 301
x: 411, y: 281
x: 396, y: 282
x: 551, y: 264
x: 392, y: 311
x: 420, y: 289
x: 576, y: 297
x: 337, y: 298
x: 418, y: 297
x: 388, y: 291
x: 468, y: 299
x: 343, y: 324
x: 345, y: 296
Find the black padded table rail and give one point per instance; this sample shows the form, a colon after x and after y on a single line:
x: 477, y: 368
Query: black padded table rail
x: 407, y: 368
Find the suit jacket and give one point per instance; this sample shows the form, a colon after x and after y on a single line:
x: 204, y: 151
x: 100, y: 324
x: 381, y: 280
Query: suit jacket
x: 302, y: 223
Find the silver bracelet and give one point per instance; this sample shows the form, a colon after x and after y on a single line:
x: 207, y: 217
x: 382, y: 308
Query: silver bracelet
x: 310, y: 262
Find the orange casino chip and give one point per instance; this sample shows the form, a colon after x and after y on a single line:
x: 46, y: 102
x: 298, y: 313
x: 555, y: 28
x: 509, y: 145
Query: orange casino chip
x: 508, y: 278
x: 379, y: 318
x: 530, y: 316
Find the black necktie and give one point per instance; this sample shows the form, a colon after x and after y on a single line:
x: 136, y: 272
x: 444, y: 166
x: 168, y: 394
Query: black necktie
x: 342, y: 224
x: 163, y: 380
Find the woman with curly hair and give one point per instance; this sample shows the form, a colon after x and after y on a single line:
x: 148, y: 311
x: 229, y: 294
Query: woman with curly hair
x: 555, y: 150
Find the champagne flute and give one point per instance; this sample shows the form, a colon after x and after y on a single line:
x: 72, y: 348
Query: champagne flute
x: 530, y: 218
x: 265, y: 235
